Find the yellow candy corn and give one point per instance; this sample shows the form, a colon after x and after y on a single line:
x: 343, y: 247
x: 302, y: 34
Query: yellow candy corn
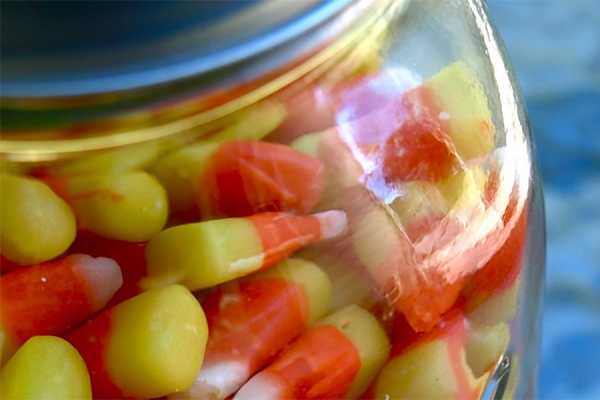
x: 204, y: 254
x: 35, y: 224
x: 46, y: 367
x: 131, y: 206
x: 146, y: 347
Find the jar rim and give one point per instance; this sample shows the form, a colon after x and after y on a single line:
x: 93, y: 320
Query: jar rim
x: 39, y: 145
x: 210, y: 38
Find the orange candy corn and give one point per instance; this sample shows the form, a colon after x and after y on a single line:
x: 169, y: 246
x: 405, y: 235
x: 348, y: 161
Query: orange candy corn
x: 6, y: 265
x: 240, y: 178
x: 335, y: 359
x: 204, y: 254
x: 244, y: 178
x: 251, y: 319
x: 50, y: 298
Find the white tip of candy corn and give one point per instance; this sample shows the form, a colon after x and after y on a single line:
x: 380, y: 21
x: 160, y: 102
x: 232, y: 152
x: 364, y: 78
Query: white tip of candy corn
x: 103, y: 276
x: 264, y: 386
x: 220, y: 378
x: 333, y: 223
x: 227, y: 376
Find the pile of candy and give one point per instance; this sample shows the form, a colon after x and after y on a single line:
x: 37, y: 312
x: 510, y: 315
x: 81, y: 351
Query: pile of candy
x: 356, y: 240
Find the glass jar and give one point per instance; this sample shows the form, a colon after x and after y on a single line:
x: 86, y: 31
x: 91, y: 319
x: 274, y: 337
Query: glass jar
x: 323, y: 200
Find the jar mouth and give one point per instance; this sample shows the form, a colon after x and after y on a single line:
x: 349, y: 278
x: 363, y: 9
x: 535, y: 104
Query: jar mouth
x: 64, y: 50
x: 70, y: 127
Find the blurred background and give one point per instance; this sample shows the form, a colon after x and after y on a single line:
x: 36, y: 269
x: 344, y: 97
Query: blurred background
x: 554, y: 46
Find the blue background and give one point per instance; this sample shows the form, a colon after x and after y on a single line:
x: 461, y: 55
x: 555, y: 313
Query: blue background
x: 554, y: 46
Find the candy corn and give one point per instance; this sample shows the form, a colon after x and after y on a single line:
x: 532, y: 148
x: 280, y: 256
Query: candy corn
x: 148, y: 346
x: 267, y: 177
x: 314, y: 101
x: 131, y: 206
x: 459, y: 98
x: 420, y: 148
x: 129, y: 256
x: 503, y: 268
x: 46, y: 367
x: 335, y: 359
x: 239, y: 179
x: 206, y: 265
x: 418, y: 200
x: 429, y: 365
x: 252, y: 123
x: 423, y: 295
x: 204, y: 254
x: 114, y: 161
x: 251, y: 319
x: 35, y: 224
x: 485, y: 346
x: 441, y: 131
x: 50, y: 298
x: 179, y: 172
x: 6, y: 265
x: 497, y: 307
x: 333, y: 193
x: 352, y: 283
x: 337, y: 103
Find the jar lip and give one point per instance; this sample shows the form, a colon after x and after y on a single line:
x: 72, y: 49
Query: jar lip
x: 36, y: 140
x: 201, y: 46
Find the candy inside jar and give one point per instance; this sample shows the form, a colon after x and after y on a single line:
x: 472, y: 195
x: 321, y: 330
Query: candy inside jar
x: 356, y: 222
